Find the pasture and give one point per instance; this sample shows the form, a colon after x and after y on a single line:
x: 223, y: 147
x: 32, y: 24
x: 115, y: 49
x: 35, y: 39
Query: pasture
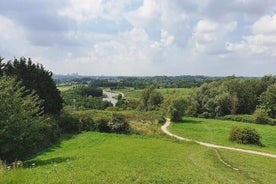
x: 217, y: 132
x: 109, y: 158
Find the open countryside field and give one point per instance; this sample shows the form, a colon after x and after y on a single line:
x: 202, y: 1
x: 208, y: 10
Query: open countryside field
x: 217, y: 132
x: 131, y: 93
x: 64, y: 88
x: 109, y: 158
x: 182, y: 91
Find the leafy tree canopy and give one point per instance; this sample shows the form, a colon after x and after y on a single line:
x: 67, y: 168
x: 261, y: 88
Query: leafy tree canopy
x: 35, y: 78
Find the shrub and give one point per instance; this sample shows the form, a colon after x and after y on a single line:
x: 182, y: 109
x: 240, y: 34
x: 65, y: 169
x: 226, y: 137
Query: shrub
x: 245, y: 135
x: 102, y: 125
x: 67, y: 123
x: 118, y: 124
x: 261, y: 116
x: 240, y: 117
x: 161, y: 120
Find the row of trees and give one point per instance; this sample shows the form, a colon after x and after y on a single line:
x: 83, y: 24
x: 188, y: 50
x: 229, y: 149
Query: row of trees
x: 233, y: 96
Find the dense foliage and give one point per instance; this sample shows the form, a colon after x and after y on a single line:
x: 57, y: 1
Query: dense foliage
x: 85, y: 97
x: 23, y: 130
x: 150, y: 99
x: 232, y: 96
x: 177, y: 109
x: 245, y: 135
x: 35, y: 78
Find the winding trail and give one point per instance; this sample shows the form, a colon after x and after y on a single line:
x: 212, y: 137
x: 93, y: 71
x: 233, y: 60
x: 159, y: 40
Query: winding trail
x: 164, y: 128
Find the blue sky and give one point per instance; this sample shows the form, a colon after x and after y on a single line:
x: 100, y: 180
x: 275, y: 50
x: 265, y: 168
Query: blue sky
x: 136, y: 37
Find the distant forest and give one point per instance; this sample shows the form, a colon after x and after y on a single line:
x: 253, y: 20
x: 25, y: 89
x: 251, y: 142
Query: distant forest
x: 185, y: 81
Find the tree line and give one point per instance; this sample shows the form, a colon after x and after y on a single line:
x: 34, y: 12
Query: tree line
x: 184, y: 81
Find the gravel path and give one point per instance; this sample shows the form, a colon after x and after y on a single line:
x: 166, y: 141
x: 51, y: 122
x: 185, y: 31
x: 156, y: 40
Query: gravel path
x: 165, y: 130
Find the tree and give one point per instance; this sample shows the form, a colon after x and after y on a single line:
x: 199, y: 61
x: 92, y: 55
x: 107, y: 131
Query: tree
x: 37, y: 79
x: 268, y: 100
x: 23, y: 130
x: 177, y: 108
x: 150, y: 99
x: 261, y: 116
x: 1, y: 66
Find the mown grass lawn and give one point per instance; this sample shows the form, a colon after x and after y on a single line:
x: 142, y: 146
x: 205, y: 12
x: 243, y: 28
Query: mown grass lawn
x: 217, y: 132
x: 109, y: 158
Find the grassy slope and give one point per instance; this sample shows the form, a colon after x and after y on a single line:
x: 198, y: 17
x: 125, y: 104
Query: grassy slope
x: 108, y: 158
x: 217, y: 131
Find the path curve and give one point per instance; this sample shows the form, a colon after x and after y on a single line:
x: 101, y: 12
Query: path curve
x: 164, y: 128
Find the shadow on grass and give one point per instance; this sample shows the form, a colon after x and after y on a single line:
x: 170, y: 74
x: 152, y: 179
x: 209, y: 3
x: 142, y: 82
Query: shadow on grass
x: 51, y: 148
x: 38, y: 162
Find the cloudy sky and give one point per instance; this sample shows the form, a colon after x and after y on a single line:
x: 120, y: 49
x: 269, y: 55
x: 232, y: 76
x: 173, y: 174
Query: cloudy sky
x: 142, y: 37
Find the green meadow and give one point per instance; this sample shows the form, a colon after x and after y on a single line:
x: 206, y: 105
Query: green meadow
x: 64, y: 88
x: 217, y: 132
x: 92, y: 157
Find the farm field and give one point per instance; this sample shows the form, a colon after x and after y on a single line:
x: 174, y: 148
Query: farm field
x: 109, y: 158
x: 217, y: 132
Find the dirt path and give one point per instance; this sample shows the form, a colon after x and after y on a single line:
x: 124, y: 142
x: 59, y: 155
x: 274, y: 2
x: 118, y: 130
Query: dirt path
x: 165, y: 130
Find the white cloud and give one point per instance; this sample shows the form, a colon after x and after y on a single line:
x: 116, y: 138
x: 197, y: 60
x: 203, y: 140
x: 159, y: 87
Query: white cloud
x: 265, y: 25
x: 142, y: 37
x: 209, y: 35
x: 10, y: 30
x: 82, y: 10
x: 261, y: 41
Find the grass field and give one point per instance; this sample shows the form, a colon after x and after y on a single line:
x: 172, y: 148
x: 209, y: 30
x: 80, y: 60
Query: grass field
x: 169, y: 91
x: 108, y: 158
x: 64, y: 88
x: 217, y: 132
x: 131, y: 93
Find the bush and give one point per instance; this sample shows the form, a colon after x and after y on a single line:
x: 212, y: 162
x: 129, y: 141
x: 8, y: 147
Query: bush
x: 240, y: 118
x: 161, y: 120
x: 102, y: 125
x: 261, y: 116
x: 245, y: 135
x: 67, y: 123
x: 118, y: 124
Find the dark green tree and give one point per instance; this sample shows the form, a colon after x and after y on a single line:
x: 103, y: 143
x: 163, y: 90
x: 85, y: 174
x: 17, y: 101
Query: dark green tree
x: 23, y: 131
x: 37, y: 79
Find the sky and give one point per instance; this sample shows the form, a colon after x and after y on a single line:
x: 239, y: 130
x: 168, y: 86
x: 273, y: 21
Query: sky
x: 142, y: 37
